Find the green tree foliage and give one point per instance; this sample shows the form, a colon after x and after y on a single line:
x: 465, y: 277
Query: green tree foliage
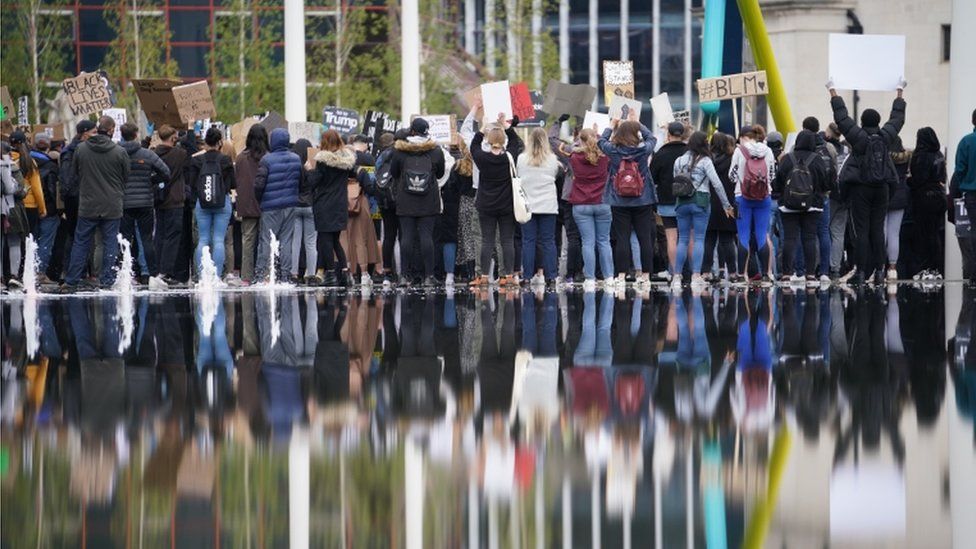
x: 39, y: 51
x: 138, y: 49
x: 246, y: 79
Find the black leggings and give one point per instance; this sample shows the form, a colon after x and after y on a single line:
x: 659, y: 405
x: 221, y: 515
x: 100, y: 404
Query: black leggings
x: 727, y: 254
x: 801, y: 227
x: 505, y: 225
x: 331, y: 254
x: 391, y: 228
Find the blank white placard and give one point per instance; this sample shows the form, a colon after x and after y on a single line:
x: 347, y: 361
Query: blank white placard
x: 602, y: 121
x: 497, y: 98
x: 870, y: 62
x: 661, y: 105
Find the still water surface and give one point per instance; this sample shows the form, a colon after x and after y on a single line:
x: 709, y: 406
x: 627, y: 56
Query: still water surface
x: 779, y: 418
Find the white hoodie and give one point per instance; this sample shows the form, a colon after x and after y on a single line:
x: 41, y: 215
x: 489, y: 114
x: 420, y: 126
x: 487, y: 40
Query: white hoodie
x: 757, y: 149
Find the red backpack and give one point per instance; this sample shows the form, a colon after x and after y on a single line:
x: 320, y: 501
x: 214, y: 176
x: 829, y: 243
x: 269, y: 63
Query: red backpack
x: 628, y: 182
x: 755, y: 178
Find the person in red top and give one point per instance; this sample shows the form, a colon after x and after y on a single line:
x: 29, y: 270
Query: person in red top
x: 592, y: 216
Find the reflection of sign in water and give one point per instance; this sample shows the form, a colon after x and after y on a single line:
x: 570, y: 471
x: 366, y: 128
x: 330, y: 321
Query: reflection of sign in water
x: 344, y: 121
x: 732, y: 86
x: 618, y: 79
x: 87, y: 93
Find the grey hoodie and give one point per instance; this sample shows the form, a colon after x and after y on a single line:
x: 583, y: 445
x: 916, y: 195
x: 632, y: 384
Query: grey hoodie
x: 102, y: 168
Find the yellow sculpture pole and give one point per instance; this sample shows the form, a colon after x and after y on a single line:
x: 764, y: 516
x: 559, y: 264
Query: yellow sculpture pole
x: 762, y: 52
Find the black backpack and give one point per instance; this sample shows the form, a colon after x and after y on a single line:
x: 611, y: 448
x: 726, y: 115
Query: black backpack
x: 48, y: 172
x: 417, y: 174
x: 829, y: 157
x: 799, y: 191
x: 385, y: 185
x: 874, y: 161
x: 210, y: 186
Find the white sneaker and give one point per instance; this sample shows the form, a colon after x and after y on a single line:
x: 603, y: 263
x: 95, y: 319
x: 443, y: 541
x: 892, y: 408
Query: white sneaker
x: 621, y: 281
x: 697, y: 282
x: 449, y: 279
x: 538, y: 280
x: 365, y: 280
x: 589, y: 285
x: 643, y: 279
x: 797, y: 279
x: 156, y: 283
x: 892, y: 274
x: 824, y: 279
x: 676, y: 283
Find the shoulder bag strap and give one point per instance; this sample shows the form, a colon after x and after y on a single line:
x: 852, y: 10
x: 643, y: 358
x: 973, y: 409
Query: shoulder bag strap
x: 511, y: 165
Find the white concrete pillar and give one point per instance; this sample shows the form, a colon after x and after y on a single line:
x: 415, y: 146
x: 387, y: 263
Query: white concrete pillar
x: 410, y: 55
x: 537, y: 44
x: 564, y: 40
x: 656, y: 47
x: 296, y: 106
x: 624, y: 30
x: 413, y: 491
x: 594, y: 51
x: 490, y: 14
x: 962, y: 82
x: 470, y: 22
x: 299, y: 495
x: 687, y: 26
x: 567, y: 501
x: 512, y: 32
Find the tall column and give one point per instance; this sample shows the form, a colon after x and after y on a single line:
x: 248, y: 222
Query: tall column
x: 296, y: 107
x: 962, y: 82
x: 410, y: 55
x: 537, y: 44
x: 656, y: 47
x: 470, y: 21
x: 490, y: 14
x: 512, y: 32
x: 594, y: 51
x: 413, y: 493
x: 299, y: 496
x: 687, y: 89
x: 564, y: 40
x: 624, y: 28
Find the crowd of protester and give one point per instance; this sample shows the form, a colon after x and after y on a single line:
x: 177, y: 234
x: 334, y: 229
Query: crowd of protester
x: 845, y: 202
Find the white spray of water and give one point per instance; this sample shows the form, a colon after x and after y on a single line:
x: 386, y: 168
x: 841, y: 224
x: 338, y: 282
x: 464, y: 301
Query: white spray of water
x: 123, y: 276
x: 208, y: 311
x: 273, y: 267
x: 30, y: 266
x: 32, y: 326
x: 275, y: 321
x: 125, y: 315
x: 208, y: 272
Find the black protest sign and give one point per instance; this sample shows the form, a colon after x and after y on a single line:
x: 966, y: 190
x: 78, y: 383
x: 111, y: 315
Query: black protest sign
x: 344, y: 121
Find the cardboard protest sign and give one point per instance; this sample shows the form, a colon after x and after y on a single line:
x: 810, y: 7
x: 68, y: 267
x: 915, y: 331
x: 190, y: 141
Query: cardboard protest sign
x: 620, y: 107
x: 602, y: 121
x: 443, y: 127
x: 497, y: 98
x: 866, y: 61
x: 661, y: 106
x: 732, y: 86
x: 193, y: 101
x: 522, y: 106
x: 7, y: 107
x: 22, y: 105
x: 272, y: 121
x: 574, y: 99
x: 87, y: 93
x: 618, y: 79
x: 120, y: 117
x: 238, y: 133
x: 54, y: 132
x: 312, y: 131
x: 471, y: 97
x: 156, y: 97
x: 344, y: 121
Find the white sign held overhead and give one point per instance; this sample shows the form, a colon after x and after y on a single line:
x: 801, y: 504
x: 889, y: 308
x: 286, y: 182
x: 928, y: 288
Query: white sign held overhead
x: 870, y: 62
x: 620, y: 107
x: 602, y: 121
x: 440, y: 127
x: 497, y: 98
x: 661, y: 105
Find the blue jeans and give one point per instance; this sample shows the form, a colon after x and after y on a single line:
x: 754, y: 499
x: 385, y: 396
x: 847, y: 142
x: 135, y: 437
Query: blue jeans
x: 692, y: 343
x: 214, y: 351
x: 691, y: 216
x: 544, y: 343
x: 594, y: 347
x: 540, y: 229
x: 823, y: 243
x: 84, y: 234
x: 44, y: 233
x: 593, y: 221
x: 212, y: 226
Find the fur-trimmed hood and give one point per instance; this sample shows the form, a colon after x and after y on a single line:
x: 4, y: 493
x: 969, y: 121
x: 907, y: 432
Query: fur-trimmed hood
x: 411, y: 147
x: 343, y: 159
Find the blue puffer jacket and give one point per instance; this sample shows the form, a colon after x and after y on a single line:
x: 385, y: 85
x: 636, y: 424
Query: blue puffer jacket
x: 279, y: 175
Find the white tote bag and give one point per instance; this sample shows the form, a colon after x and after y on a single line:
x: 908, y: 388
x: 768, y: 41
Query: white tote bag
x: 520, y: 203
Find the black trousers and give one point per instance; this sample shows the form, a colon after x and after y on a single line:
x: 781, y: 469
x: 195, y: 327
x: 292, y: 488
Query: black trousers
x: 61, y: 254
x: 869, y: 206
x: 169, y: 234
x: 331, y: 255
x: 143, y: 220
x: 639, y: 219
x: 417, y: 231
x: 505, y: 226
x: 801, y: 228
x: 725, y: 241
x: 391, y: 229
x: 574, y: 244
x: 185, y: 253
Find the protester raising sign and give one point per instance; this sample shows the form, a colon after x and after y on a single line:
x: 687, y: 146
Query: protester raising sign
x: 732, y: 86
x: 621, y: 107
x: 442, y: 127
x: 121, y: 117
x: 618, y: 79
x: 866, y: 61
x: 193, y: 101
x: 661, y: 106
x: 574, y: 99
x: 497, y: 99
x: 522, y: 106
x: 156, y: 97
x: 344, y: 121
x: 87, y: 93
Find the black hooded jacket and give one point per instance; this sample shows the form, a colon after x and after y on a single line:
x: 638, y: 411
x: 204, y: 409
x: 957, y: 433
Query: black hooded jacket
x: 858, y: 137
x: 804, y: 151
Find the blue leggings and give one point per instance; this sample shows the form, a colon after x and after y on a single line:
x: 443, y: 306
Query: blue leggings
x: 753, y: 221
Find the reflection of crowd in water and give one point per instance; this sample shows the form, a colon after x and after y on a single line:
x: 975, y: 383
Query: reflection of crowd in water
x: 611, y: 386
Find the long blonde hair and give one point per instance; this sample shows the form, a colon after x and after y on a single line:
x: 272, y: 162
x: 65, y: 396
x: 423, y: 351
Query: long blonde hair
x: 464, y: 164
x: 496, y: 139
x: 589, y: 146
x: 539, y: 151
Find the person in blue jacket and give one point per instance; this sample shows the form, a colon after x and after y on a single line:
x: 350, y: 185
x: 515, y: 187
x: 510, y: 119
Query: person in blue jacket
x: 277, y: 186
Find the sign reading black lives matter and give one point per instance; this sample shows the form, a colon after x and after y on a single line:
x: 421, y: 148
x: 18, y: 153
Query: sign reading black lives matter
x: 344, y: 121
x: 732, y: 86
x: 87, y: 93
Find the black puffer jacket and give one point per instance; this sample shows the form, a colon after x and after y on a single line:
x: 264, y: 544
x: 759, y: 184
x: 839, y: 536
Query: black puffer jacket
x: 143, y: 163
x: 330, y: 198
x: 410, y: 204
x: 662, y: 171
x: 858, y: 138
x: 717, y: 220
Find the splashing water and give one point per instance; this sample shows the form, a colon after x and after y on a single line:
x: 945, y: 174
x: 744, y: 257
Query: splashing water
x: 123, y: 276
x: 32, y: 325
x: 125, y: 314
x: 208, y: 272
x: 275, y: 321
x: 30, y: 266
x: 209, y: 302
x: 273, y: 267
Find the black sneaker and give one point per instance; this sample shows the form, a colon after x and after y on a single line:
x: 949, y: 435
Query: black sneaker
x: 68, y: 288
x: 430, y: 282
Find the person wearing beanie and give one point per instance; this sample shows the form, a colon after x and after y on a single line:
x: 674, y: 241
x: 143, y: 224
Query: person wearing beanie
x: 277, y: 184
x: 69, y: 194
x: 870, y: 179
x: 102, y: 168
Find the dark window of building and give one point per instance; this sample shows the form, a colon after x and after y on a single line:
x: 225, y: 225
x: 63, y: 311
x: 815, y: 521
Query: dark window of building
x: 92, y: 26
x: 92, y: 57
x: 190, y: 26
x: 946, y: 41
x: 192, y: 60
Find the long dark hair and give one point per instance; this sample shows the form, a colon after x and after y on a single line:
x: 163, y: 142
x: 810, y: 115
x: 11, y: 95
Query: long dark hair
x: 257, y: 141
x: 698, y: 147
x: 722, y: 143
x: 24, y: 161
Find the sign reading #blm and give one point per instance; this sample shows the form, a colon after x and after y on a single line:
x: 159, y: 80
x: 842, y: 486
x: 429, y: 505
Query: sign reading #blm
x: 87, y: 93
x: 732, y: 86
